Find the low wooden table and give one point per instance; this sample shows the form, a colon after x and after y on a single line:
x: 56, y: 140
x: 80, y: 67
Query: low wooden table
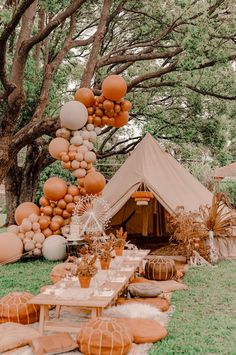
x: 105, y: 288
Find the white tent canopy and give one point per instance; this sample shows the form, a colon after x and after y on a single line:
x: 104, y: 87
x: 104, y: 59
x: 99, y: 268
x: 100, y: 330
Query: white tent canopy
x: 171, y: 184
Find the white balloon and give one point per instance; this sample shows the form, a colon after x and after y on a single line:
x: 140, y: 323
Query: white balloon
x: 76, y: 133
x: 54, y: 248
x: 76, y: 140
x: 85, y: 135
x: 93, y: 136
x: 82, y: 149
x: 86, y: 143
x: 73, y: 115
x: 98, y: 130
x: 90, y: 127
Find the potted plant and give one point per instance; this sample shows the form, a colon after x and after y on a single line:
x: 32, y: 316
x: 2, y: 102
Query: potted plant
x: 86, y: 269
x: 119, y: 241
x: 106, y: 254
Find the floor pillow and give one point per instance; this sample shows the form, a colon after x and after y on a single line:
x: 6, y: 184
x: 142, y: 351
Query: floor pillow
x: 62, y: 270
x: 14, y: 335
x: 14, y: 308
x: 144, y: 330
x: 140, y: 280
x: 104, y: 336
x: 160, y: 268
x: 171, y: 285
x: 136, y: 310
x: 144, y: 290
x: 53, y: 344
x: 160, y: 303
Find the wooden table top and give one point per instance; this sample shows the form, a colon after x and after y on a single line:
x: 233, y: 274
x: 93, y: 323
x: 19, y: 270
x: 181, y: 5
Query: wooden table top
x: 105, y: 285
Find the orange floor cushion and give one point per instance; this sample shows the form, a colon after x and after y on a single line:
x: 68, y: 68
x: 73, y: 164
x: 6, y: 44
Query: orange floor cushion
x: 53, y: 344
x: 161, y: 303
x: 104, y: 336
x: 144, y: 330
x: 14, y: 308
x: 140, y: 279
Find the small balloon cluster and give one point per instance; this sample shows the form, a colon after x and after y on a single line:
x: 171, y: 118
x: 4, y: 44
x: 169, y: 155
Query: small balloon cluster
x: 81, y: 122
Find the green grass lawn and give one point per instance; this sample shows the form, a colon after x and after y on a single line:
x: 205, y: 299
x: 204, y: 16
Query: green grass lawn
x: 204, y: 321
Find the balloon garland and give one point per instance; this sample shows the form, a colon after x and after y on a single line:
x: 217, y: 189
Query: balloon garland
x: 81, y: 122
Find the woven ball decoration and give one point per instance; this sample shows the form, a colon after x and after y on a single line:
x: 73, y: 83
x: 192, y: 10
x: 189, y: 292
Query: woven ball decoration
x: 104, y: 336
x: 14, y: 308
x: 160, y: 268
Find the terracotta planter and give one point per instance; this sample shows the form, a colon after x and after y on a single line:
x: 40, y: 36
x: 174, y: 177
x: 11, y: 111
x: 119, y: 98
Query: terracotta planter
x: 119, y: 251
x: 105, y: 264
x: 84, y: 281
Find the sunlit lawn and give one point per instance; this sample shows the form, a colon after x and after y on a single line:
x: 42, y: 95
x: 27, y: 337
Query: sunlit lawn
x: 204, y: 321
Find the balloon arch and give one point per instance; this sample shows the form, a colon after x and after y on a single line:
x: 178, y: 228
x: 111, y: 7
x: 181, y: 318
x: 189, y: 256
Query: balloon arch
x: 81, y: 122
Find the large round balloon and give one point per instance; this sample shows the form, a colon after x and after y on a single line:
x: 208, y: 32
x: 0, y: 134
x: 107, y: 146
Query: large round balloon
x: 54, y: 188
x: 73, y: 115
x: 114, y: 87
x: 94, y: 182
x: 85, y: 96
x: 121, y: 119
x: 24, y: 210
x: 57, y: 146
x: 11, y: 247
x: 54, y: 248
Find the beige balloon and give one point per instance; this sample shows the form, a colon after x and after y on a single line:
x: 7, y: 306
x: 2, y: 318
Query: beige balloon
x: 73, y: 115
x: 57, y: 146
x: 79, y: 156
x: 75, y: 165
x: 90, y: 157
x: 79, y: 173
x: 76, y: 140
x: 13, y: 229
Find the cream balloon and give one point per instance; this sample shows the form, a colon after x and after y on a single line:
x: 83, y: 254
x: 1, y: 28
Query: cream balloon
x: 92, y: 136
x: 54, y: 248
x: 85, y: 135
x: 90, y: 157
x: 73, y: 115
x: 57, y: 146
x: 13, y: 229
x: 90, y: 127
x: 79, y: 173
x: 76, y: 140
x: 82, y: 149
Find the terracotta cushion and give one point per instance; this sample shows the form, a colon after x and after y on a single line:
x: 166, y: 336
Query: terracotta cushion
x: 140, y: 279
x: 160, y: 268
x: 61, y: 270
x: 53, y: 344
x: 14, y: 308
x: 144, y: 290
x: 161, y: 303
x: 14, y: 335
x: 104, y: 336
x: 144, y: 330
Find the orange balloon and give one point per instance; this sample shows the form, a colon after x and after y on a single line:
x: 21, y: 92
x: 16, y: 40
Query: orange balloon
x: 68, y: 198
x: 76, y: 199
x: 94, y: 182
x: 121, y: 119
x: 66, y: 214
x: 85, y: 96
x: 47, y: 232
x: 11, y: 247
x: 70, y: 207
x: 57, y: 211
x: 54, y: 226
x: 97, y: 121
x: 126, y: 105
x: 58, y: 146
x: 61, y: 204
x: 47, y: 210
x: 58, y: 219
x: 108, y: 105
x: 73, y: 190
x: 54, y: 188
x: 44, y: 222
x: 24, y: 210
x: 114, y: 87
x: 43, y: 201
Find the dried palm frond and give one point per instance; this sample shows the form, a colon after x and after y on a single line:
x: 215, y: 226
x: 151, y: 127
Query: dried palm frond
x: 87, y: 267
x: 119, y: 238
x: 220, y: 217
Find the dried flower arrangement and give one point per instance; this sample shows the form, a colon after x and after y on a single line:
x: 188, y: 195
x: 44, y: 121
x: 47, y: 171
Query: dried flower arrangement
x: 186, y: 231
x: 106, y: 250
x: 219, y: 218
x: 119, y: 238
x: 86, y: 266
x: 92, y: 245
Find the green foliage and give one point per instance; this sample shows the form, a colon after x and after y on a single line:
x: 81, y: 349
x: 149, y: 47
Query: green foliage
x: 27, y: 276
x: 202, y: 322
x: 229, y: 188
x: 54, y: 169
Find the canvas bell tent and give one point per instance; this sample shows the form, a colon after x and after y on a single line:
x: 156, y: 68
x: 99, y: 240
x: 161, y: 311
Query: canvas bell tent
x: 149, y: 167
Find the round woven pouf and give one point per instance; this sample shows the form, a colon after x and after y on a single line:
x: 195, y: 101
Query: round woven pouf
x: 104, y: 336
x: 14, y: 308
x: 160, y: 268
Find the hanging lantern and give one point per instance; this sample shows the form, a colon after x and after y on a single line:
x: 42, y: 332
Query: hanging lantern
x: 142, y: 198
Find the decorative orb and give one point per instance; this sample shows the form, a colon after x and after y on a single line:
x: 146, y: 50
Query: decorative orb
x: 94, y: 182
x: 73, y: 115
x: 121, y: 119
x: 39, y: 237
x: 54, y: 188
x: 43, y: 201
x: 57, y: 146
x: 85, y: 96
x: 160, y: 268
x: 114, y: 87
x: 126, y: 105
x: 78, y: 173
x: 73, y: 190
x: 33, y: 218
x: 85, y: 135
x: 13, y: 229
x: 76, y: 140
x: 47, y: 232
x: 11, y: 247
x: 54, y: 248
x: 90, y: 127
x: 44, y: 222
x: 24, y: 210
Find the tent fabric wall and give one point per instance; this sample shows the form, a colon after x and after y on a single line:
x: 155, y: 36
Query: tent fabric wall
x: 171, y: 184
